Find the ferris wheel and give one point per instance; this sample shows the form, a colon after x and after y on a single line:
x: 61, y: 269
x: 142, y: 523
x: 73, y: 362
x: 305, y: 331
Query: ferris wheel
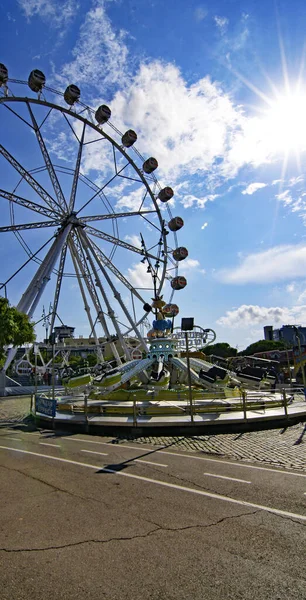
x: 85, y: 207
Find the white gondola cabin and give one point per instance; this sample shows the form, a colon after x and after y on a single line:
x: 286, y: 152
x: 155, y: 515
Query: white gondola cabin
x: 72, y: 94
x: 129, y: 138
x: 36, y: 80
x: 171, y: 310
x: 178, y: 283
x: 3, y: 74
x: 150, y: 165
x: 176, y: 223
x: 103, y: 114
x: 165, y: 194
x: 180, y: 253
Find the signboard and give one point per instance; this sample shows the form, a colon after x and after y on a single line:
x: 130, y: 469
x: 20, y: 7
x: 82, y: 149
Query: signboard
x: 45, y: 406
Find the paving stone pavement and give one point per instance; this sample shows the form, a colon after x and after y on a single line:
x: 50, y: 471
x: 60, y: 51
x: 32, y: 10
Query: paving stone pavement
x: 14, y: 410
x: 278, y: 447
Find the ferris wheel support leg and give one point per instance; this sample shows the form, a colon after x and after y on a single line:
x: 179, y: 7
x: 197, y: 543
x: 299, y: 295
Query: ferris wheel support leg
x: 87, y: 310
x: 34, y: 291
x: 58, y: 285
x: 117, y: 296
x: 91, y: 253
x: 77, y: 250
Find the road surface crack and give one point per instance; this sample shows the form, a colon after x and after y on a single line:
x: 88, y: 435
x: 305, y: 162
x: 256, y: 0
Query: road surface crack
x: 158, y: 528
x: 55, y: 488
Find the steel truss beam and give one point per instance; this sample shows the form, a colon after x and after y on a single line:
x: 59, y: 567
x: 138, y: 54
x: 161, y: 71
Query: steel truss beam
x: 36, y: 287
x: 30, y: 180
x: 27, y: 204
x: 77, y: 250
x: 117, y: 295
x: 90, y: 255
x: 61, y: 202
x: 116, y: 215
x: 58, y: 285
x: 25, y: 226
x: 87, y: 308
x: 108, y: 263
x: 76, y: 172
x: 110, y: 238
x: 34, y: 291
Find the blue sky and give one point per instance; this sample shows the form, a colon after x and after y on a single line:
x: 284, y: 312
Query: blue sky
x: 216, y: 92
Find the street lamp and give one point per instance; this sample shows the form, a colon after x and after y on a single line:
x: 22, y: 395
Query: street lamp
x: 297, y: 335
x: 187, y: 324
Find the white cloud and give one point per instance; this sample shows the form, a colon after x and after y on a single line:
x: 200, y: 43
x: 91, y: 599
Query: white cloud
x: 134, y: 240
x: 222, y: 24
x: 200, y: 13
x: 284, y: 197
x: 100, y: 54
x: 295, y: 180
x: 248, y: 315
x: 204, y: 225
x: 187, y: 128
x: 57, y: 14
x: 192, y: 200
x: 138, y: 276
x: 276, y: 264
x: 253, y: 187
x: 190, y: 264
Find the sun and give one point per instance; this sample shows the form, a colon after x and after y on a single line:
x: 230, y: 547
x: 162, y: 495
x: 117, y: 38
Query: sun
x: 285, y: 122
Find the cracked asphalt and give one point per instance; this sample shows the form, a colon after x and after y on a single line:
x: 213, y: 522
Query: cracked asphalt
x: 96, y: 517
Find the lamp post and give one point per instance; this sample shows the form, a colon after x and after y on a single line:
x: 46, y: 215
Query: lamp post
x: 297, y: 335
x: 187, y: 324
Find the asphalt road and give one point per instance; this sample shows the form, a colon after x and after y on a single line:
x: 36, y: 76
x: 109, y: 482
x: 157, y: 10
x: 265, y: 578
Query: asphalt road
x: 84, y: 517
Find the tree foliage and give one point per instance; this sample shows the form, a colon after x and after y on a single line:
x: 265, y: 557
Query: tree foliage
x: 222, y: 349
x: 15, y: 327
x: 265, y: 346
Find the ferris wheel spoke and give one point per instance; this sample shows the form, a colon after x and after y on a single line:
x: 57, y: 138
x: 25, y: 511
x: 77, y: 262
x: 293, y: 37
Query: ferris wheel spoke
x: 116, y: 215
x: 77, y: 171
x: 24, y: 226
x: 100, y: 259
x: 61, y: 202
x: 101, y: 189
x: 108, y: 263
x: 27, y: 204
x: 29, y: 179
x: 32, y: 257
x: 87, y: 308
x: 17, y: 115
x: 92, y: 258
x: 110, y: 238
x: 58, y: 285
x: 33, y: 293
x: 77, y: 250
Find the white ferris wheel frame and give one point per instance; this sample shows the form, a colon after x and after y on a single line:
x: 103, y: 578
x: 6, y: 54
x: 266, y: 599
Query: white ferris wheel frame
x: 75, y: 233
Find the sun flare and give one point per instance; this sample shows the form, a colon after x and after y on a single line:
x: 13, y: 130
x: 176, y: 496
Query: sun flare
x: 285, y: 123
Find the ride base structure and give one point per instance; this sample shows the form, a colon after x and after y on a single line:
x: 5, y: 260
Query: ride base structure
x: 155, y: 391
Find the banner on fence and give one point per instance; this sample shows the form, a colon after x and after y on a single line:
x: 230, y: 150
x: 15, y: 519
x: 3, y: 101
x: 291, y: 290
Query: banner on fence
x: 45, y: 406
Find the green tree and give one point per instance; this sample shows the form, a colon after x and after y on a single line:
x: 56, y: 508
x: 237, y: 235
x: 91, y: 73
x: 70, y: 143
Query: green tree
x: 15, y: 327
x: 264, y: 346
x: 222, y: 349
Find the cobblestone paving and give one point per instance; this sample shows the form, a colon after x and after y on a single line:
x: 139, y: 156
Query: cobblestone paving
x: 14, y: 410
x: 278, y: 447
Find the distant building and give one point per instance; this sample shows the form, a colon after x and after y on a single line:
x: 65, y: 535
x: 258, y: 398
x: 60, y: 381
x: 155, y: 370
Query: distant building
x: 286, y: 333
x: 63, y: 331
